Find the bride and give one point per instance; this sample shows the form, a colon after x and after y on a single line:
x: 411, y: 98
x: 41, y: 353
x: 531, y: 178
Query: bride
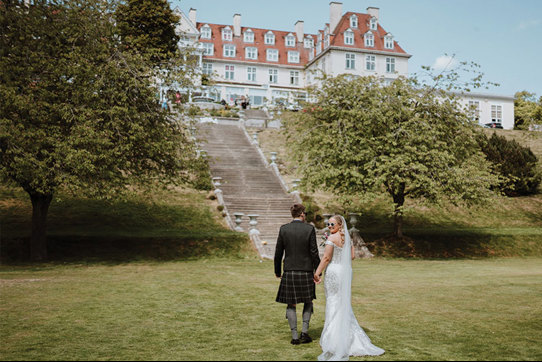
x: 342, y: 336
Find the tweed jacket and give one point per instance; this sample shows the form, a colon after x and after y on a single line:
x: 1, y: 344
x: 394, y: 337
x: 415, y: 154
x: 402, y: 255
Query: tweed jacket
x: 297, y: 243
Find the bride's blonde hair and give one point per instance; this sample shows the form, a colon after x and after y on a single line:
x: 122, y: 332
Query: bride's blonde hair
x: 339, y: 220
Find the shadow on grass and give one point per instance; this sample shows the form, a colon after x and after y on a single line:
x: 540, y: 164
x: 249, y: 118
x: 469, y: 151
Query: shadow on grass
x: 455, y: 243
x: 121, y: 250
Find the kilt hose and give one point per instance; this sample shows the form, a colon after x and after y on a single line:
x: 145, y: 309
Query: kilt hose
x: 296, y: 287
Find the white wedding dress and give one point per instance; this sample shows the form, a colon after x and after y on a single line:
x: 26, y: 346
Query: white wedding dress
x: 342, y: 336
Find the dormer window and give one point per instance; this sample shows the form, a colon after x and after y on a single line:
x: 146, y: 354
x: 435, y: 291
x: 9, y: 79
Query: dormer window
x: 206, y: 32
x: 373, y: 24
x: 353, y: 21
x: 249, y: 36
x: 369, y: 39
x: 388, y: 41
x: 270, y: 38
x: 308, y: 43
x: 227, y: 33
x: 290, y: 40
x: 349, y: 37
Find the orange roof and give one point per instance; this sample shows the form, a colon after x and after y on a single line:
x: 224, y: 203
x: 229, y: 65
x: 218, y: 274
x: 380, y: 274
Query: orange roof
x: 336, y: 39
x: 259, y: 43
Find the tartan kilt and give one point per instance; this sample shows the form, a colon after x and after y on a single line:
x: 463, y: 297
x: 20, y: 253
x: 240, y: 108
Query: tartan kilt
x: 296, y: 287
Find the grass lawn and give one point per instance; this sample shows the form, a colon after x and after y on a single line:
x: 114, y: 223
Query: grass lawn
x: 224, y: 309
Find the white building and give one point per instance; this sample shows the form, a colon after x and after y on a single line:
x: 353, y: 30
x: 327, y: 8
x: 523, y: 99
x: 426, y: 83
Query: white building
x: 274, y: 66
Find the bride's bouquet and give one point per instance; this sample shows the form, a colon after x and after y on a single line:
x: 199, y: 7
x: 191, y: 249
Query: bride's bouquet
x: 324, y: 239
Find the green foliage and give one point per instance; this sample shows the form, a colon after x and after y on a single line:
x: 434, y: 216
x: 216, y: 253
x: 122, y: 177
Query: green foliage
x: 78, y: 111
x: 361, y: 136
x: 148, y: 27
x: 515, y: 163
x: 224, y: 113
x: 314, y: 212
x: 527, y: 110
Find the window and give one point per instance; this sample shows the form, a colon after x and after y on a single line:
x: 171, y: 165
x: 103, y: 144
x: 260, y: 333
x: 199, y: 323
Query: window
x: 370, y: 61
x: 206, y: 32
x: 272, y: 55
x: 249, y: 36
x: 227, y: 34
x: 230, y: 72
x: 496, y: 113
x: 350, y: 61
x: 270, y: 38
x: 474, y: 107
x: 390, y: 65
x: 388, y: 42
x: 208, y: 68
x: 293, y: 57
x: 251, y: 53
x: 353, y: 21
x: 273, y: 75
x: 326, y: 41
x: 208, y: 48
x: 309, y: 43
x: 373, y: 24
x: 294, y: 77
x: 229, y: 50
x: 290, y: 40
x: 251, y: 74
x: 369, y: 40
x: 349, y: 37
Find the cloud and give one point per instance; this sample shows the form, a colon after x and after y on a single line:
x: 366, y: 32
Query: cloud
x: 526, y: 24
x: 445, y: 62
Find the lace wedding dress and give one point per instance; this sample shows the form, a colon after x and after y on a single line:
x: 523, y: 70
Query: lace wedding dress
x: 342, y: 336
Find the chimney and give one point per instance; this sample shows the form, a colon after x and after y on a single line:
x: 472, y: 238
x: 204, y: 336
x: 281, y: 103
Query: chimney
x: 299, y: 30
x: 335, y: 13
x: 237, y: 25
x: 192, y: 16
x: 373, y: 12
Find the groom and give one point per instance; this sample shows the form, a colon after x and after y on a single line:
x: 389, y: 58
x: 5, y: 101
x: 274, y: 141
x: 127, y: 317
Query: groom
x: 297, y: 242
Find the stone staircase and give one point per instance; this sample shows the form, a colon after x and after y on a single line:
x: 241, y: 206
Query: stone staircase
x: 255, y: 114
x: 248, y: 185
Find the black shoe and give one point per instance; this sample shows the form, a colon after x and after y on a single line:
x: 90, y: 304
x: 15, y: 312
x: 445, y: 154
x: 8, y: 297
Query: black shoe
x: 295, y: 341
x: 305, y: 338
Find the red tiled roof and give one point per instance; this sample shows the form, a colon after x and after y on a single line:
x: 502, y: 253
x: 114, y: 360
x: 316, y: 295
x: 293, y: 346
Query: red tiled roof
x: 336, y: 39
x: 259, y: 43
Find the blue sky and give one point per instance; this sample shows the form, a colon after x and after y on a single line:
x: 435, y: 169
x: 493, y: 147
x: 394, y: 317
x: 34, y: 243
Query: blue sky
x: 503, y: 36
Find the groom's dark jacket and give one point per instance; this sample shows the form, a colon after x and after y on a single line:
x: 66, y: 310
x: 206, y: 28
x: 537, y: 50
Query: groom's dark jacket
x: 297, y: 242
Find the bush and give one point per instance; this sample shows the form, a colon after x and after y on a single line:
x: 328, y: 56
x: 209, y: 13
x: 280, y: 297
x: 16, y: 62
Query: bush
x: 517, y: 164
x: 194, y: 111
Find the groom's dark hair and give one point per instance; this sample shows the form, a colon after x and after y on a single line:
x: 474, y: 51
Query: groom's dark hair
x: 297, y: 210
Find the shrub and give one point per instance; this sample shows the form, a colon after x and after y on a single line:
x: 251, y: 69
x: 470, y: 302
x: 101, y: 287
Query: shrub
x: 194, y: 111
x: 220, y: 207
x: 518, y: 165
x: 313, y: 211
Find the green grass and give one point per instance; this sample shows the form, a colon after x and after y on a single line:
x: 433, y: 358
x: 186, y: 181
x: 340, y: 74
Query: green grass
x: 162, y: 225
x: 218, y: 309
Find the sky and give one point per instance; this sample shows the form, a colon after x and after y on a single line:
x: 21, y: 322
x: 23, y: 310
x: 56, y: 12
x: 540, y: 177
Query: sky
x: 504, y: 37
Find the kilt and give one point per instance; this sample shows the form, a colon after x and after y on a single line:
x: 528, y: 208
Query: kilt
x: 296, y: 287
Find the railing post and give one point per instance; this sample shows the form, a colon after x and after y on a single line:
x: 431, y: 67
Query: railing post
x: 238, y: 220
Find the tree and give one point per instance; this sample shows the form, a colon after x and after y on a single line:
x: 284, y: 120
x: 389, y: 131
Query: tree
x: 148, y: 26
x: 408, y: 140
x: 527, y: 111
x: 517, y: 165
x: 78, y: 112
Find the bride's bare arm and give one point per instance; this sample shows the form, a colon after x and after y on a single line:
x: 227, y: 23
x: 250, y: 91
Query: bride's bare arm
x: 328, y: 254
x: 353, y: 253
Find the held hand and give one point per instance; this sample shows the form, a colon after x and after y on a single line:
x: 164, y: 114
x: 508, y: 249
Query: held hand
x: 317, y: 279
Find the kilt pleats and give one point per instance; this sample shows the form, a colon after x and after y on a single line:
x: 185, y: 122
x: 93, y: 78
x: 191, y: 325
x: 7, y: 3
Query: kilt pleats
x: 296, y: 287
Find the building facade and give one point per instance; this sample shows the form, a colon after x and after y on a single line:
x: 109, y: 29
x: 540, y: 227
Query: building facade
x: 273, y: 67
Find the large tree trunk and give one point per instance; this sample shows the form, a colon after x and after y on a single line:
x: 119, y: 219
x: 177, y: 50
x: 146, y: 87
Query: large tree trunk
x: 38, y: 241
x: 399, y: 201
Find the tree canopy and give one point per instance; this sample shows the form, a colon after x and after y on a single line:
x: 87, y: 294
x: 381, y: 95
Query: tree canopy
x: 527, y: 110
x: 79, y: 112
x: 148, y: 27
x: 361, y: 135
